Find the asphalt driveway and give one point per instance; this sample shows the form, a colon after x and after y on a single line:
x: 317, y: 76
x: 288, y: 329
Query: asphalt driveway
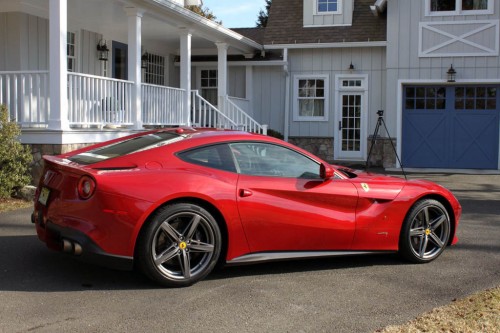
x: 44, y: 291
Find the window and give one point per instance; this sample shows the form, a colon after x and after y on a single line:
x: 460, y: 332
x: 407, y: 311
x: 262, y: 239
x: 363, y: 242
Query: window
x: 328, y: 6
x: 263, y: 159
x: 476, y: 98
x: 216, y: 156
x: 71, y: 51
x: 208, y: 85
x: 154, y: 73
x: 425, y: 98
x: 351, y: 83
x: 311, y: 103
x: 459, y: 7
x: 129, y: 146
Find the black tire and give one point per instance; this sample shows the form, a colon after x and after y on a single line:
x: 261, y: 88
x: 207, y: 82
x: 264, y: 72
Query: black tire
x: 425, y: 232
x: 179, y: 246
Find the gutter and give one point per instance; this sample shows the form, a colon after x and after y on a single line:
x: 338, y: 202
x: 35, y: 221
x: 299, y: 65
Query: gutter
x: 204, y: 22
x: 325, y: 45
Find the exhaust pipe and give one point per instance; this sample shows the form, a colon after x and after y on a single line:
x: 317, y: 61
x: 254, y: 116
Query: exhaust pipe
x: 71, y: 247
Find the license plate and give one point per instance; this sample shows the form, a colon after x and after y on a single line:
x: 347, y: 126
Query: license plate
x: 44, y: 196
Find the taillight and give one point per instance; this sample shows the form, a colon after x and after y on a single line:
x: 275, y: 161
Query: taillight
x: 86, y: 187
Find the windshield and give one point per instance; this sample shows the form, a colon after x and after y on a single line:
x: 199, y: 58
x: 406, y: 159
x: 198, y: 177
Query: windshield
x: 121, y: 148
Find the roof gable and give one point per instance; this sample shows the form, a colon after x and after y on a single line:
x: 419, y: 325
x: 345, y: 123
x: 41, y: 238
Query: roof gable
x: 285, y: 25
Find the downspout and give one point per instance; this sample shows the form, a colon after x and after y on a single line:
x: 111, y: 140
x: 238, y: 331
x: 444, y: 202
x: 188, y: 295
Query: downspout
x: 379, y: 7
x: 287, y: 95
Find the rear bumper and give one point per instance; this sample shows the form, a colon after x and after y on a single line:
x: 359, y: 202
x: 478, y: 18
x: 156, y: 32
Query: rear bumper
x: 79, y: 245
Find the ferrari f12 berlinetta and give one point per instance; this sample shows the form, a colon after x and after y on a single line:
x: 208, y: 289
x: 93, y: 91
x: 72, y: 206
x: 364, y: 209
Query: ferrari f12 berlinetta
x: 177, y: 202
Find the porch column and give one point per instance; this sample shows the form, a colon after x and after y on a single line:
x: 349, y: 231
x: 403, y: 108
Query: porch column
x: 221, y: 72
x: 58, y: 74
x: 134, y: 62
x: 186, y: 75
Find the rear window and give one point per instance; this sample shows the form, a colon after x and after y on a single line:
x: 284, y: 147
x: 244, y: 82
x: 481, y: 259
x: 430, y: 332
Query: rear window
x: 126, y: 147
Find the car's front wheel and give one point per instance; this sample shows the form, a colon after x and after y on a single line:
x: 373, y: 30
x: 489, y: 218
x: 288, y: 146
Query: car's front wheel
x: 180, y: 245
x: 425, y: 232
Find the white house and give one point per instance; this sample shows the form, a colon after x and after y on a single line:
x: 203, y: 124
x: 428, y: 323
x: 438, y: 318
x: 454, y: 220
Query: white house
x: 318, y: 73
x: 347, y: 59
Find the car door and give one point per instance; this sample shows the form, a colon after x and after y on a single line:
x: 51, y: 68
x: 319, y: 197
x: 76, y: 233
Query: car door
x: 284, y: 205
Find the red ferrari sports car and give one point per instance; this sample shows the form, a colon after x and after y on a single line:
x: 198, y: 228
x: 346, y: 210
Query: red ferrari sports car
x: 178, y: 202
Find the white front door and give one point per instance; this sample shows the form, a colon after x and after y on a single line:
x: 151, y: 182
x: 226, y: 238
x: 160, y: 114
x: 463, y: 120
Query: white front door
x: 351, y: 116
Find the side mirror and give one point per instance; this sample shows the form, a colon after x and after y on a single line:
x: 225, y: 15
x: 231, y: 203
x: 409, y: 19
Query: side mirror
x: 325, y: 171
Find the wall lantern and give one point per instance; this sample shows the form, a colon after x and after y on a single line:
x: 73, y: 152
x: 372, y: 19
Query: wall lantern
x: 102, y: 51
x: 351, y: 67
x: 452, y: 73
x: 144, y: 60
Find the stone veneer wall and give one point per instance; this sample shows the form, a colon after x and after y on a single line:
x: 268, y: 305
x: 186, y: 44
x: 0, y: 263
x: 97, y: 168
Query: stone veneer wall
x: 45, y: 149
x: 382, y: 155
x: 321, y: 147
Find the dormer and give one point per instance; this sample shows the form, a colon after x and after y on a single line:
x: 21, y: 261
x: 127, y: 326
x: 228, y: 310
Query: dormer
x: 328, y: 13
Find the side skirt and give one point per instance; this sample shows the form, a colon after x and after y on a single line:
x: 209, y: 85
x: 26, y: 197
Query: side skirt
x: 278, y: 256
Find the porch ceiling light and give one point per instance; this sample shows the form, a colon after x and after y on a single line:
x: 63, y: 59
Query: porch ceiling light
x: 452, y: 73
x: 144, y: 60
x: 102, y: 50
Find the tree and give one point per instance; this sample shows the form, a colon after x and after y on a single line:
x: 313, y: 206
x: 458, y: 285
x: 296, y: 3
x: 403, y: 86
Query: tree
x: 15, y: 159
x: 264, y: 15
x: 205, y: 12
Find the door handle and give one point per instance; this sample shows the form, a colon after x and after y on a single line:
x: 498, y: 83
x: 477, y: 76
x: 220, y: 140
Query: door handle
x: 340, y: 125
x: 245, y: 193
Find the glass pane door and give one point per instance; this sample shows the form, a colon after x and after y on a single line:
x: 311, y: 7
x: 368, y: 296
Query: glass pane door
x: 350, y: 124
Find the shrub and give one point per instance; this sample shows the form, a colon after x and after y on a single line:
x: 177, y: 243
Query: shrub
x: 275, y: 134
x: 15, y: 159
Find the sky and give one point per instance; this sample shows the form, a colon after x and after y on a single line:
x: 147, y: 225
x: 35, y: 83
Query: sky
x: 236, y: 13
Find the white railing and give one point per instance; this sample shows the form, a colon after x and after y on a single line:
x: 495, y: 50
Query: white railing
x: 96, y: 100
x: 204, y: 114
x: 162, y: 105
x: 99, y: 101
x: 241, y: 118
x: 26, y: 96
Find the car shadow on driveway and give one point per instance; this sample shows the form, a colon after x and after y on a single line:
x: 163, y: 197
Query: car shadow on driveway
x: 27, y: 265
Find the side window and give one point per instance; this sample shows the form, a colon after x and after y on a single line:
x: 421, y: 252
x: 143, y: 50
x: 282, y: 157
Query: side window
x: 459, y: 7
x: 311, y: 98
x: 328, y: 6
x: 262, y: 159
x: 208, y: 85
x: 154, y: 68
x: 217, y: 157
x: 71, y: 51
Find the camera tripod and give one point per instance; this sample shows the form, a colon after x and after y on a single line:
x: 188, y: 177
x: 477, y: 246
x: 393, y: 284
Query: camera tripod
x: 381, y: 122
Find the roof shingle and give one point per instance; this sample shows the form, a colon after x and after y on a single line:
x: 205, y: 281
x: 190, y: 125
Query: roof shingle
x: 285, y: 25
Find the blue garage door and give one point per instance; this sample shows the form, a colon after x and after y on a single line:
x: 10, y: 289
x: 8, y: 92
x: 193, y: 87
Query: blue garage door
x: 451, y: 127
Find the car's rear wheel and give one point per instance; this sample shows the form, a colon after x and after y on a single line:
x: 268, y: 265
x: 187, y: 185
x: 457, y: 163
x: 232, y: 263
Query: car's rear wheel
x: 425, y: 232
x: 180, y: 245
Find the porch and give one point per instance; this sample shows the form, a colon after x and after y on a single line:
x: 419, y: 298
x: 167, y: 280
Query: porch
x: 95, y: 102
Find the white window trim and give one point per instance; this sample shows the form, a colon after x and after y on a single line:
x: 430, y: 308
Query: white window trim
x: 296, y: 78
x: 77, y: 50
x: 339, y: 89
x: 459, y: 11
x: 337, y: 12
x: 198, y: 79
